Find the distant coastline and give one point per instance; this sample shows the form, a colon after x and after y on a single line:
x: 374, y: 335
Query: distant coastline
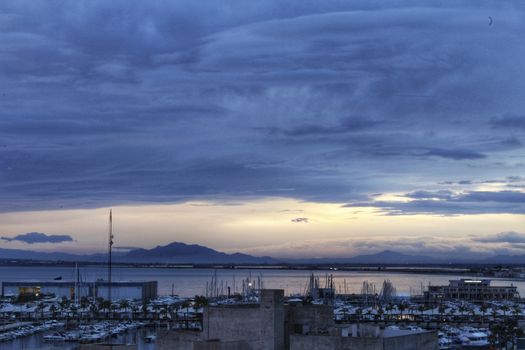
x: 484, y: 270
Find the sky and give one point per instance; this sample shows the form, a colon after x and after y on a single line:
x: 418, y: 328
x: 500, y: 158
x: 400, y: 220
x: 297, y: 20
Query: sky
x: 291, y: 129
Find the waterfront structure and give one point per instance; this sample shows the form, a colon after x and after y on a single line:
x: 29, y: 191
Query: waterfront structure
x: 472, y: 290
x: 137, y: 290
x: 273, y: 325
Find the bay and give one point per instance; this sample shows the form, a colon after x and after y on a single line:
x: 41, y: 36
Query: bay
x: 188, y: 282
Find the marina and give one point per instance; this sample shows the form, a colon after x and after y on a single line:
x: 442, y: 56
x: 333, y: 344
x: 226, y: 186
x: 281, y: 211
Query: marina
x: 348, y: 298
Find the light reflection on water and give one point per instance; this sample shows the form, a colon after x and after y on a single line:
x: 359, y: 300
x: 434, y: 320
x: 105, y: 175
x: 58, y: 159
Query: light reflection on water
x: 35, y: 342
x: 190, y: 282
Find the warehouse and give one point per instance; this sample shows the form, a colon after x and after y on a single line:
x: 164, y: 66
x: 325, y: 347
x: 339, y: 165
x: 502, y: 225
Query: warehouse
x: 137, y: 290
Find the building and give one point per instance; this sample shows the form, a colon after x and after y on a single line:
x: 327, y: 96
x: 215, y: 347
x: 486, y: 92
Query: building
x: 470, y: 290
x: 274, y: 325
x: 137, y: 290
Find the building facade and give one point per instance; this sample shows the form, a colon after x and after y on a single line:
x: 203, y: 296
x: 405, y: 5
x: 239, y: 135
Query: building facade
x: 470, y: 290
x: 274, y: 325
x: 137, y: 290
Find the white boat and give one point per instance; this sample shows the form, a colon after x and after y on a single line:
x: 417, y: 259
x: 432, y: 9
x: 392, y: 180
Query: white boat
x: 444, y: 342
x: 475, y: 339
x: 150, y: 338
x: 57, y: 336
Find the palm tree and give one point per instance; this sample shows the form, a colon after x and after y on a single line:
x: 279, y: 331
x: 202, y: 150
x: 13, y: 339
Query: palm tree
x: 40, y: 308
x: 53, y: 310
x: 483, y: 308
x: 380, y: 313
x: 368, y: 314
x: 358, y: 313
x: 441, y: 310
x: 516, y: 311
x: 421, y: 309
x: 505, y: 308
x: 389, y: 309
x: 462, y: 310
x: 106, y: 305
x: 401, y: 307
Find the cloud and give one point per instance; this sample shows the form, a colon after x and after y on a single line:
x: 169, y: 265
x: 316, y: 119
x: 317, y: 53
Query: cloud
x: 443, y: 194
x: 448, y: 203
x: 325, y: 102
x: 456, y: 154
x: 457, y: 247
x: 126, y: 248
x: 508, y: 122
x: 303, y: 220
x: 37, y: 237
x: 345, y: 126
x: 503, y: 237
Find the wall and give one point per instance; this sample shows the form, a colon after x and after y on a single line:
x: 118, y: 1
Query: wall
x: 119, y: 293
x: 419, y: 341
x: 330, y: 342
x: 236, y: 322
x: 319, y: 318
x: 180, y: 340
x: 426, y: 340
x: 235, y: 327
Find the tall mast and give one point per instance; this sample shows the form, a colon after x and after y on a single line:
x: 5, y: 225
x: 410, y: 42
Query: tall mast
x: 110, y: 244
x: 77, y: 288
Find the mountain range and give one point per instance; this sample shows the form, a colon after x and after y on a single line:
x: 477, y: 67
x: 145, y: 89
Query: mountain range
x: 181, y: 253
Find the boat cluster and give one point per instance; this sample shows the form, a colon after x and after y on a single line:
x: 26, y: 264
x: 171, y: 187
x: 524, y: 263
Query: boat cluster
x: 470, y: 337
x: 28, y: 329
x: 447, y: 311
x: 93, y: 332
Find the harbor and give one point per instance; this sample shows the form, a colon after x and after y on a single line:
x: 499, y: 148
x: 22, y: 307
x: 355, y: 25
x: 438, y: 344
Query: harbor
x: 458, y: 321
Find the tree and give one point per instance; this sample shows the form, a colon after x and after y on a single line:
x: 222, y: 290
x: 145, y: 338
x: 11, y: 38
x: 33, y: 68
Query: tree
x: 124, y: 304
x: 401, y: 307
x: 505, y: 308
x: 504, y: 334
x: 421, y: 310
x: 53, y: 310
x: 483, y: 308
x: 200, y: 301
x: 462, y: 310
x: 389, y: 308
x: 441, y: 310
x: 106, y: 305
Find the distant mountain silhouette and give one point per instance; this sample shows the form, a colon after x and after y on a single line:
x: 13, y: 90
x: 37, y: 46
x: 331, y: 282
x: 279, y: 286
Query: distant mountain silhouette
x: 506, y: 259
x: 177, y: 252
x: 19, y: 254
x: 181, y: 253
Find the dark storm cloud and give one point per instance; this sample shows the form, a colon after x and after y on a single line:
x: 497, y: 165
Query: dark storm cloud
x: 37, y: 237
x: 345, y: 126
x: 130, y: 101
x: 508, y: 121
x: 456, y: 154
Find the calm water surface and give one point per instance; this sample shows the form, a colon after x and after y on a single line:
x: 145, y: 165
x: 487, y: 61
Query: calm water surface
x: 190, y: 282
x: 36, y: 342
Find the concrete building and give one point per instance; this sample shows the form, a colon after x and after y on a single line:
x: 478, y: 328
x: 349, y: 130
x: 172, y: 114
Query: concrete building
x: 470, y: 290
x: 365, y: 337
x: 272, y: 325
x: 138, y: 290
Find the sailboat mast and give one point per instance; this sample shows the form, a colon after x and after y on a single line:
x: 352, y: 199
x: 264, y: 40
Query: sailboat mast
x: 110, y: 245
x: 76, y: 284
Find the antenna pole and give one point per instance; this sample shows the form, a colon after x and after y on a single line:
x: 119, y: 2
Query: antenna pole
x: 110, y: 245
